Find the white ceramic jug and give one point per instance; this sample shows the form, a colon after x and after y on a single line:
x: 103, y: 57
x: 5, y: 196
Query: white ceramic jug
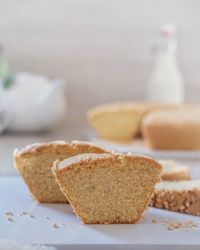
x: 34, y: 103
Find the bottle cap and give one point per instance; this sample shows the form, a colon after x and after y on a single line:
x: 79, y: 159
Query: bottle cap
x: 168, y: 30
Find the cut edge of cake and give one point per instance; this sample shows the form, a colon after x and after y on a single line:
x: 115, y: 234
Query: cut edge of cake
x: 62, y: 167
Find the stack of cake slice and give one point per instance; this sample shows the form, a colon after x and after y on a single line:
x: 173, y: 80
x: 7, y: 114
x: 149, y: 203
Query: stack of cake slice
x: 177, y: 192
x: 178, y: 196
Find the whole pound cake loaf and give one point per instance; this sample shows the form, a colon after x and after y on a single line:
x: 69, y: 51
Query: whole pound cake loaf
x: 34, y: 163
x: 173, y: 129
x: 120, y: 121
x: 108, y: 188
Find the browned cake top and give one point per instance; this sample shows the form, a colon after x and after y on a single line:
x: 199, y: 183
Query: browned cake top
x: 45, y: 146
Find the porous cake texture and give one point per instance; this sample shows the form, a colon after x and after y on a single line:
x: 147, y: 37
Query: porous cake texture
x: 180, y: 196
x: 174, y: 171
x: 108, y: 188
x: 34, y: 163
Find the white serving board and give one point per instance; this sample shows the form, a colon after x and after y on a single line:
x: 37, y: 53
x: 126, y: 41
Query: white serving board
x: 14, y: 197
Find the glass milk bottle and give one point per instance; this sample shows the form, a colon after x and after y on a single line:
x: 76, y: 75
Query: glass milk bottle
x: 166, y: 82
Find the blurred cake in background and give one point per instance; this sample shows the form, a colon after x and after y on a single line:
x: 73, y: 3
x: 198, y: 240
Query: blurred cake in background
x: 173, y: 129
x: 121, y: 121
x: 161, y: 126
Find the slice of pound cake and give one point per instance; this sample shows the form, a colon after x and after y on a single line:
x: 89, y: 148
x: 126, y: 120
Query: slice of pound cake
x: 174, y: 171
x: 34, y: 164
x: 180, y: 196
x: 108, y: 188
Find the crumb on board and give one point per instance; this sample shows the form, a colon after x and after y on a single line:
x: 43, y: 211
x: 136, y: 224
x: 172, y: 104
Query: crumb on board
x: 188, y: 225
x: 55, y: 225
x: 10, y: 219
x: 47, y: 218
x: 23, y: 213
x: 58, y: 225
x: 175, y: 225
x: 27, y: 213
x: 154, y: 220
x: 9, y: 214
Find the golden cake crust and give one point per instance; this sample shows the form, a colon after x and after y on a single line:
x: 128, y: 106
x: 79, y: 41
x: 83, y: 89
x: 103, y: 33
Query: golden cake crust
x: 23, y: 160
x: 184, y: 175
x: 38, y: 148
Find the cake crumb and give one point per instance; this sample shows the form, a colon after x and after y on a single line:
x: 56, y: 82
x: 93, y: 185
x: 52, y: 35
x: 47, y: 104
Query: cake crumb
x: 154, y: 221
x: 26, y: 213
x: 10, y: 219
x: 188, y: 225
x: 176, y: 225
x: 9, y: 214
x: 55, y: 225
x: 47, y: 218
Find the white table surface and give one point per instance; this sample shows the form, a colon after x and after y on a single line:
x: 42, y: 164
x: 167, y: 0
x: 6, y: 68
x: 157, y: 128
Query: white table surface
x: 14, y: 197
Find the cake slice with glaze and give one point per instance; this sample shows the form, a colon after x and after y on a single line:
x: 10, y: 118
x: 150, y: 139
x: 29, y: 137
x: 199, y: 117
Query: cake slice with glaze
x: 108, y: 188
x: 180, y: 196
x: 34, y: 163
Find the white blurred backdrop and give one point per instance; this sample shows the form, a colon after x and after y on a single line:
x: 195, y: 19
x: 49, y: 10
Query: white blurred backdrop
x: 101, y: 48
